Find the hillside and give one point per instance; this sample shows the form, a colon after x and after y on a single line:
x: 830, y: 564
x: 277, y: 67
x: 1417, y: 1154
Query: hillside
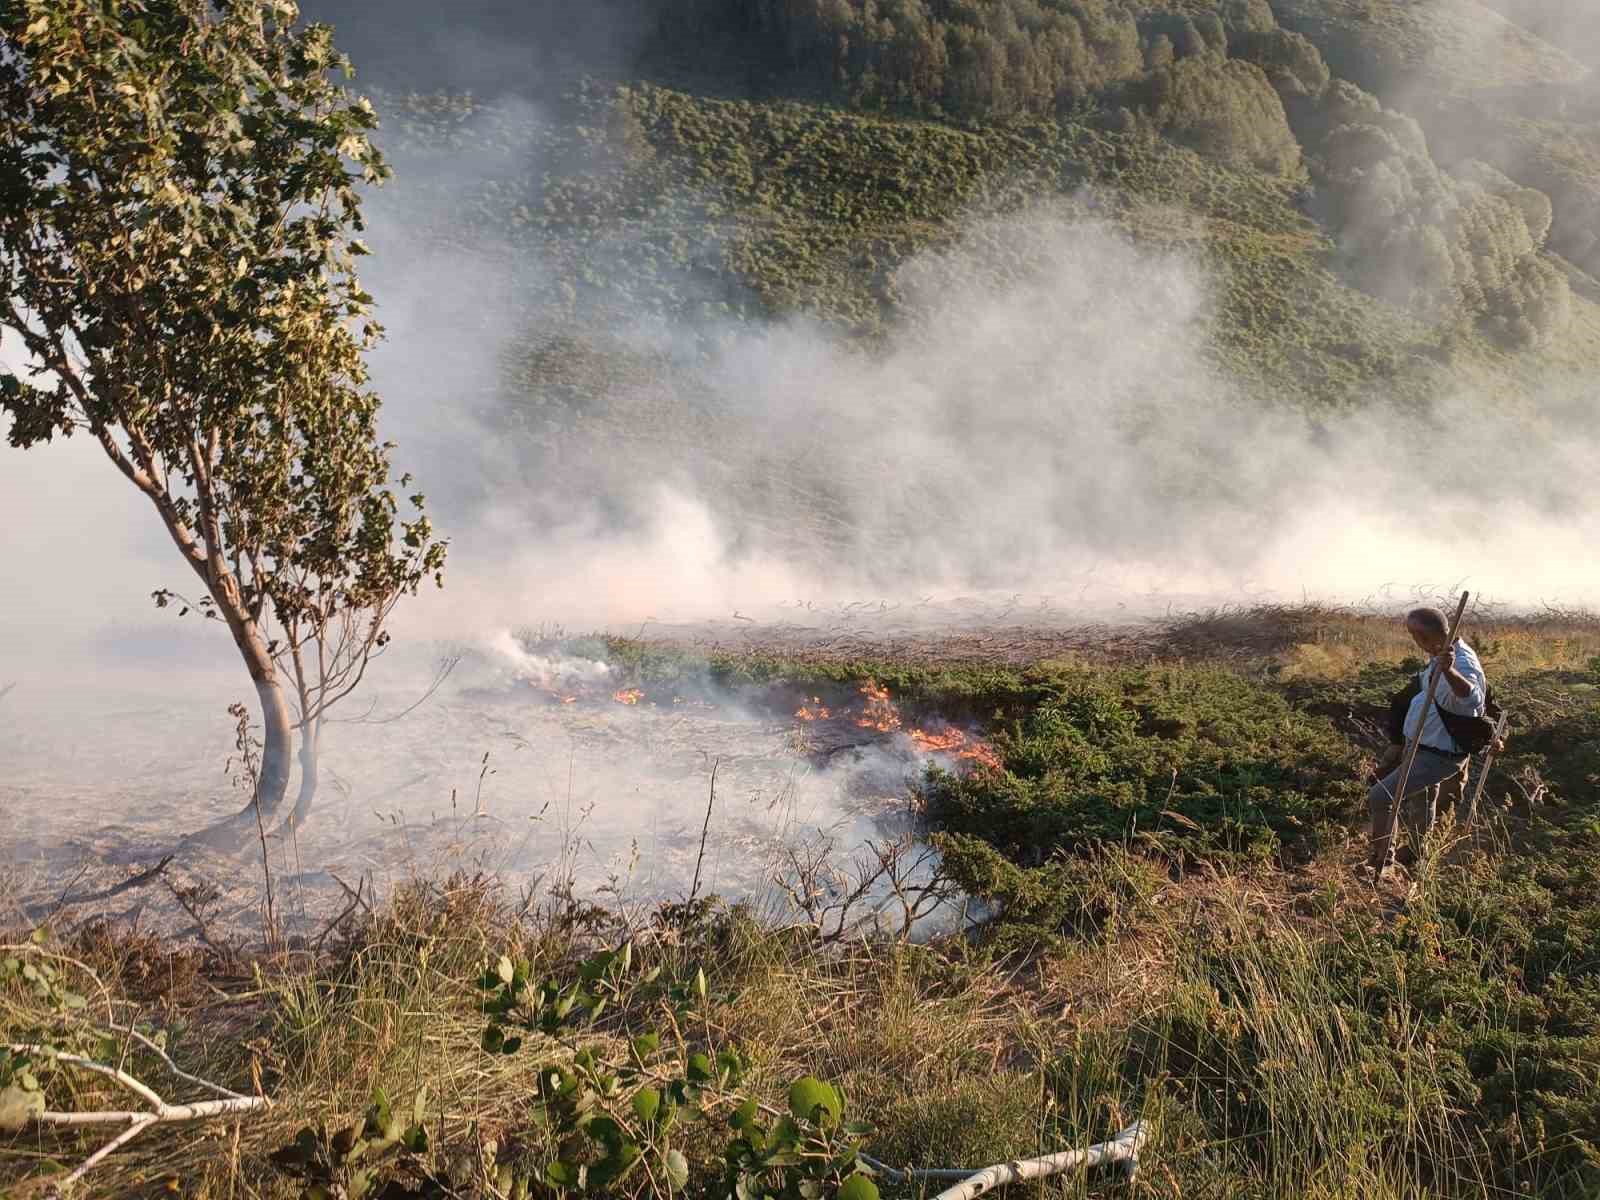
x: 1355, y: 256
x: 720, y: 201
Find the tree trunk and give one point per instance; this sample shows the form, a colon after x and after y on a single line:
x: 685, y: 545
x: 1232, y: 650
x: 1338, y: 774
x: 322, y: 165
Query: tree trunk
x: 275, y: 749
x: 277, y: 731
x: 310, y: 748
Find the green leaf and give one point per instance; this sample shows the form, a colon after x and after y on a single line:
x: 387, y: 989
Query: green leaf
x: 561, y: 1174
x: 646, y: 1045
x: 785, y: 1134
x: 18, y: 1107
x: 676, y: 1167
x: 494, y: 1038
x: 699, y: 1068
x: 812, y: 1100
x: 605, y: 1131
x: 744, y: 1116
x: 646, y: 1104
x: 858, y: 1187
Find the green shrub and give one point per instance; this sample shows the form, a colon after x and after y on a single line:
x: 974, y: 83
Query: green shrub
x: 1227, y: 110
x: 1197, y: 763
x: 1291, y: 62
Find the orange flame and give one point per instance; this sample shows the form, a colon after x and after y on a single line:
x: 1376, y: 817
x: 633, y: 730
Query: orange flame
x: 628, y: 696
x: 879, y: 712
x: 957, y: 744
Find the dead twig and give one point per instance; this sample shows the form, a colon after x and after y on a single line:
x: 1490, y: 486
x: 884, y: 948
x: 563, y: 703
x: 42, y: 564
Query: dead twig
x: 193, y: 899
x: 127, y: 885
x: 705, y: 830
x: 355, y: 902
x: 1124, y: 1149
x: 355, y: 894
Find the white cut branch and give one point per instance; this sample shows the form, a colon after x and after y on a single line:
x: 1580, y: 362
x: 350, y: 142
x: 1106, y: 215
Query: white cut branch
x: 161, y: 1113
x: 1123, y: 1148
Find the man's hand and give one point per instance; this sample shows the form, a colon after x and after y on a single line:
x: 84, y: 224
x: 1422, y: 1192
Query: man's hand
x: 1445, y: 660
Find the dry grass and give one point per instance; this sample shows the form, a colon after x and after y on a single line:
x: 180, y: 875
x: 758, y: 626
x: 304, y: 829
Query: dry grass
x: 1332, y: 642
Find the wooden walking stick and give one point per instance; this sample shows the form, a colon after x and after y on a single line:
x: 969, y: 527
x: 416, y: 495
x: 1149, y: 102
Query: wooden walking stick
x: 1483, y: 774
x: 1399, y: 796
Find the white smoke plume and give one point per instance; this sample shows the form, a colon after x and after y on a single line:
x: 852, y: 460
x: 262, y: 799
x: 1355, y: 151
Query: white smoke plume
x: 1044, y: 419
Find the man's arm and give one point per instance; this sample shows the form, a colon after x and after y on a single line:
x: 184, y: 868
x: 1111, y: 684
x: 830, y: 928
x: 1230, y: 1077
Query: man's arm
x: 1461, y: 686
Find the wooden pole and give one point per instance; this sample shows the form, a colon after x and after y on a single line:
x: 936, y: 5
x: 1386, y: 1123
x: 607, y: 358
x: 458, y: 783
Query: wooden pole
x: 1483, y: 774
x: 1399, y: 796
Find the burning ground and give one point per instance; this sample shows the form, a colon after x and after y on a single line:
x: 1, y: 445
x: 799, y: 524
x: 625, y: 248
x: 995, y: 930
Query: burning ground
x: 591, y: 761
x: 1160, y: 833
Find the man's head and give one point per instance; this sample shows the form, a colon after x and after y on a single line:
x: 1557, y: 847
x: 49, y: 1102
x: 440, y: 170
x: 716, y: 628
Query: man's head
x: 1428, y: 628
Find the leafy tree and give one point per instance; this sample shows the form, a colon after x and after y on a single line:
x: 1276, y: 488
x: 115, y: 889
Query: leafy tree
x: 1226, y: 110
x: 1464, y: 245
x: 1291, y: 62
x: 178, y: 198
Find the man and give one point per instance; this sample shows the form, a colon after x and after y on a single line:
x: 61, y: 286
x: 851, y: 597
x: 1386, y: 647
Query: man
x: 1459, y: 691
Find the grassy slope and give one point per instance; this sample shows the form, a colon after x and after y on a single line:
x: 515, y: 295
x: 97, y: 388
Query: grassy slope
x: 1285, y: 1032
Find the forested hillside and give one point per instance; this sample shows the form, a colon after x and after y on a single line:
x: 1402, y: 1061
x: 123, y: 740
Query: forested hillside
x: 1381, y: 188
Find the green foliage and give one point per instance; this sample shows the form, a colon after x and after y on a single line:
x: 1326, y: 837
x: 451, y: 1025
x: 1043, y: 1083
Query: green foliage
x: 997, y: 59
x: 352, y: 1162
x: 610, y: 1113
x: 1290, y: 61
x: 178, y: 209
x: 1227, y: 111
x: 1440, y: 244
x: 1196, y: 763
x: 811, y: 1152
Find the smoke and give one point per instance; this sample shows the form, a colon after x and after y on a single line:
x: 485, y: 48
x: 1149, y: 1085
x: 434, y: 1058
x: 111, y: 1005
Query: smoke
x: 1056, y: 427
x: 1046, y: 416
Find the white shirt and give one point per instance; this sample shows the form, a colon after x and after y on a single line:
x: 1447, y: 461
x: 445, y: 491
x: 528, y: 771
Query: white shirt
x: 1471, y: 705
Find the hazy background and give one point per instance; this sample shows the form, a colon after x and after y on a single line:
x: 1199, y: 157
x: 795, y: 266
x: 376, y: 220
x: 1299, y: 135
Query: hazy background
x: 1063, y: 437
x: 1059, y: 438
